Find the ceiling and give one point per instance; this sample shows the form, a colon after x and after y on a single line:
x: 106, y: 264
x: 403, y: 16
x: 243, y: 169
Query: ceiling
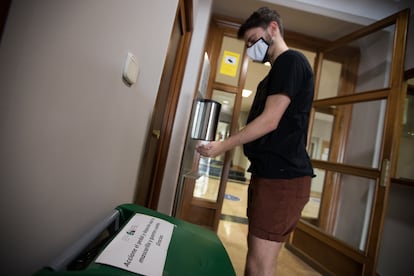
x: 327, y: 19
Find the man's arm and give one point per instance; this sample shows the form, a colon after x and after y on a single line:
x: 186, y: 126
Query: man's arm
x: 266, y: 122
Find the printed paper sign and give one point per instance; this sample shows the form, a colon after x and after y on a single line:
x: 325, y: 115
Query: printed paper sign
x: 140, y: 247
x: 229, y: 63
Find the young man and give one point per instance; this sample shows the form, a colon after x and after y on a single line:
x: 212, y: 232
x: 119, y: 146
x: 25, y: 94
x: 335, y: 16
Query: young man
x: 274, y: 140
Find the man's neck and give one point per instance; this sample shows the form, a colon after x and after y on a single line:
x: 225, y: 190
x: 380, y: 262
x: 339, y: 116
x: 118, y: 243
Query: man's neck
x: 280, y: 47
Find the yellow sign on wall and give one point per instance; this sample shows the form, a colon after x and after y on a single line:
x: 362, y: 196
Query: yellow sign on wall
x: 229, y: 63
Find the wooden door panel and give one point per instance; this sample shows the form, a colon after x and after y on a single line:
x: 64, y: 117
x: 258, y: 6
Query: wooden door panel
x: 335, y: 262
x: 152, y: 168
x: 195, y: 211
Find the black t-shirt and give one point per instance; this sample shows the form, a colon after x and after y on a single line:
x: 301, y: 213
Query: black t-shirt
x: 282, y: 152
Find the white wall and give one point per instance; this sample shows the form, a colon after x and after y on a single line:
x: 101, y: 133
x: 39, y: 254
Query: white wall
x: 202, y: 11
x: 72, y: 132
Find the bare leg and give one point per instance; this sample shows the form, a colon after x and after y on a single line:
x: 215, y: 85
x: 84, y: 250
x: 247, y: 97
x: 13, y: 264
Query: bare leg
x: 261, y: 257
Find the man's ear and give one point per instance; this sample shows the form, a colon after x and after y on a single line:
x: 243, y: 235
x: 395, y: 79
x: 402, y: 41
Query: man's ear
x: 274, y: 27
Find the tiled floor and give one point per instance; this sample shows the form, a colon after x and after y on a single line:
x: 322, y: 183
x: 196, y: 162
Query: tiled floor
x: 233, y: 235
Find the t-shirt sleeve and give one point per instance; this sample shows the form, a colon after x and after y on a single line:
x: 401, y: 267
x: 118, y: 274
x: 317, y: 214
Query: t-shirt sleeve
x: 286, y: 76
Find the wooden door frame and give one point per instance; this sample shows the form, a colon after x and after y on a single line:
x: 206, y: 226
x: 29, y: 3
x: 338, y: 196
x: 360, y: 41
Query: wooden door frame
x: 227, y: 27
x: 197, y: 210
x: 316, y: 247
x: 349, y: 59
x: 148, y: 193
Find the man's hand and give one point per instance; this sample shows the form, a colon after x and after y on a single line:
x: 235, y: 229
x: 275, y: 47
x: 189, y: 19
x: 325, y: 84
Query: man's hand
x: 211, y: 149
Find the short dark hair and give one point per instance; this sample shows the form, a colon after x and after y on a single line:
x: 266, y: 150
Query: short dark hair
x: 261, y: 18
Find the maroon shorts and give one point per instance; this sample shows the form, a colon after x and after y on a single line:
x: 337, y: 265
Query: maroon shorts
x: 275, y: 205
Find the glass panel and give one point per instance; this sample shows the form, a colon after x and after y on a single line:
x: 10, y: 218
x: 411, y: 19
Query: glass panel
x: 363, y: 146
x: 368, y: 65
x: 358, y: 127
x: 235, y: 199
x: 406, y: 154
x: 321, y: 136
x: 349, y: 214
x: 229, y: 62
x: 210, y: 169
x: 375, y: 60
x: 311, y: 210
x: 354, y: 210
x: 330, y: 79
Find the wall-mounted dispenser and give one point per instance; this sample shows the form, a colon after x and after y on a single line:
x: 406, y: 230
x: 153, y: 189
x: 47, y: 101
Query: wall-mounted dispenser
x: 202, y: 129
x: 205, y: 119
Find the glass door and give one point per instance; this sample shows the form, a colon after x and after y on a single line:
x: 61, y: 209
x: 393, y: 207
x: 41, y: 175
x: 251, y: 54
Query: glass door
x: 204, y: 183
x: 353, y: 145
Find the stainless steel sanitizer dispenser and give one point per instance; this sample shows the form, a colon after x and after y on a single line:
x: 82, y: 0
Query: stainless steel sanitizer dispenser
x: 205, y: 119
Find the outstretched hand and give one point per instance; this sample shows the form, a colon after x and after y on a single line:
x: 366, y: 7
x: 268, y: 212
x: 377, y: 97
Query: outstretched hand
x: 211, y: 149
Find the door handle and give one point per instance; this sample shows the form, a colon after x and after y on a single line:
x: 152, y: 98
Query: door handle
x: 156, y: 133
x: 385, y: 171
